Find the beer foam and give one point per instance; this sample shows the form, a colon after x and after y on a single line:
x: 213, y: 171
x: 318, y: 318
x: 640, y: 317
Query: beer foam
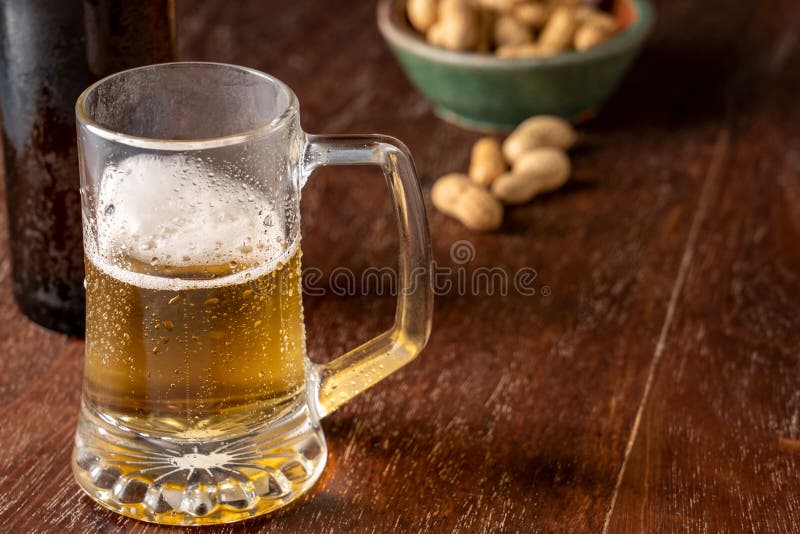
x: 176, y: 211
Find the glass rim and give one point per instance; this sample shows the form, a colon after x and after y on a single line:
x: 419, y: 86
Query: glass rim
x: 85, y: 119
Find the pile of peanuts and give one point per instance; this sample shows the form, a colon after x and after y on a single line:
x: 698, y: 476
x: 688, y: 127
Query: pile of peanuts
x: 536, y: 155
x: 511, y: 28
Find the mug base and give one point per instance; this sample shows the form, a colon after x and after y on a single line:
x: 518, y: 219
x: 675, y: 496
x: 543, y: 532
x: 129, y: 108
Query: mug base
x: 192, y: 482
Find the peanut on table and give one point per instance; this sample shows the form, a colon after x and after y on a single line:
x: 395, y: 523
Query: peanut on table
x: 536, y: 155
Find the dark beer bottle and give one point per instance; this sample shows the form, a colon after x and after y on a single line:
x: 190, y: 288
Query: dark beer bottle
x: 50, y: 51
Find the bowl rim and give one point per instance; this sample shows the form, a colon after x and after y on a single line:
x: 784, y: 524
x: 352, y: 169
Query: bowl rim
x: 630, y: 37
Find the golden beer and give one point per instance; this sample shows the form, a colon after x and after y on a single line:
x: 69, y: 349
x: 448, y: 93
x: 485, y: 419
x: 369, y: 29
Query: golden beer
x: 210, y: 357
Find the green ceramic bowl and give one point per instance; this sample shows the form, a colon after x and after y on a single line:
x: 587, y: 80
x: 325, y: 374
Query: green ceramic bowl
x: 484, y: 92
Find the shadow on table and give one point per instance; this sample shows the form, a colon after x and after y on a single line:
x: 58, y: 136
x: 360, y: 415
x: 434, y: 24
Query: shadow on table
x: 675, y: 83
x: 450, y: 467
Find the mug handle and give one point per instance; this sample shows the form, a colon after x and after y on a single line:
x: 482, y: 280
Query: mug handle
x: 348, y: 375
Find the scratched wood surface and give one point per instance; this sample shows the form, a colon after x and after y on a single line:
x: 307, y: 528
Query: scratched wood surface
x: 650, y: 382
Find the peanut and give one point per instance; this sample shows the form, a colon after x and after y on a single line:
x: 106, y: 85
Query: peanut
x: 454, y: 195
x: 478, y: 210
x: 456, y: 27
x: 496, y: 5
x: 509, y: 31
x: 452, y: 7
x: 595, y: 17
x: 486, y: 162
x: 595, y: 28
x: 508, y: 28
x: 559, y: 31
x: 589, y: 36
x: 447, y: 190
x: 537, y: 171
x: 532, y: 14
x: 422, y: 14
x: 536, y: 132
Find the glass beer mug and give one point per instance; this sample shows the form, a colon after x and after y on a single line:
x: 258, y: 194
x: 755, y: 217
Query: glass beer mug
x: 199, y: 402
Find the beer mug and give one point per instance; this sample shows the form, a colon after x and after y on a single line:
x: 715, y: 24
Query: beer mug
x: 199, y: 403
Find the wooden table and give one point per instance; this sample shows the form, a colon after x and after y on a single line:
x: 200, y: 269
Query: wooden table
x: 650, y: 384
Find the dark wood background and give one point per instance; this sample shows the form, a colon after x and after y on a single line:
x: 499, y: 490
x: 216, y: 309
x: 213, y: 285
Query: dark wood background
x: 654, y: 388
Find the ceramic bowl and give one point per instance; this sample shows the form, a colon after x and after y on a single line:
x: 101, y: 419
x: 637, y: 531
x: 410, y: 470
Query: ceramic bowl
x: 485, y: 92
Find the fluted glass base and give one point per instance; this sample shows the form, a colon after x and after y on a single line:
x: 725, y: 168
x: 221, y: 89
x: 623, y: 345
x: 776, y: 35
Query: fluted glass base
x: 195, y: 482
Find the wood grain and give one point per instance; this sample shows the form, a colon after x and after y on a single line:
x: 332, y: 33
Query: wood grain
x: 650, y: 389
x: 716, y: 450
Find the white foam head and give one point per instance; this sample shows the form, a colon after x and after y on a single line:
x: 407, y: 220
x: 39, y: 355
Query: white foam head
x: 173, y: 210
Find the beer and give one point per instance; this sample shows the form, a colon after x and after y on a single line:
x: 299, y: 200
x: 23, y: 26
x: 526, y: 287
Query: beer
x: 193, y: 330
